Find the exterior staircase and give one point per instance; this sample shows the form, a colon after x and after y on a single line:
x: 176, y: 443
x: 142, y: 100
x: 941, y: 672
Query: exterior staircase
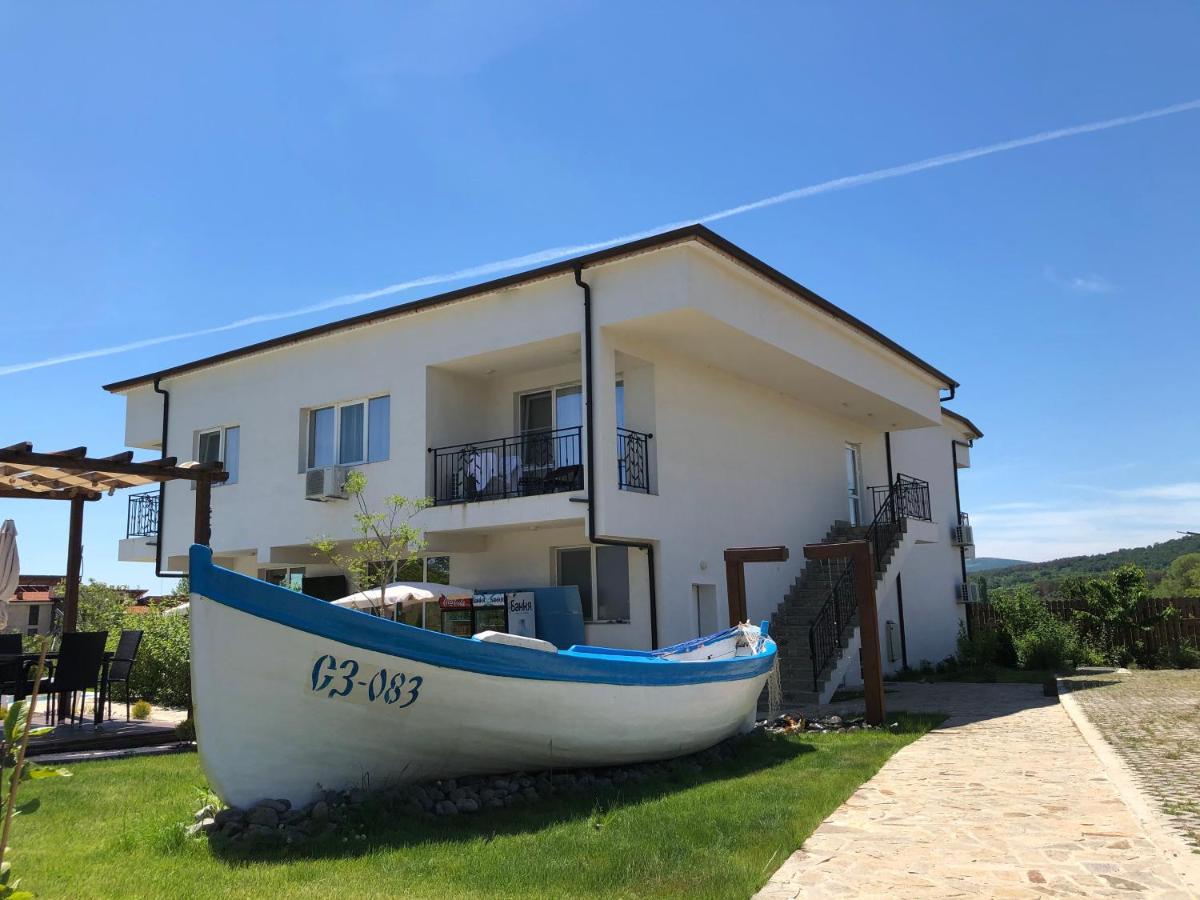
x: 792, y: 621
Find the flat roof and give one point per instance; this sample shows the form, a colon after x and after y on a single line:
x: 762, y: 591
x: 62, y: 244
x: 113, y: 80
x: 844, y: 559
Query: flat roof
x: 697, y: 232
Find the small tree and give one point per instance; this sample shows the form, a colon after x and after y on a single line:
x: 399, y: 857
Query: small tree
x: 1110, y: 618
x: 101, y: 607
x: 386, y: 541
x: 1182, y: 578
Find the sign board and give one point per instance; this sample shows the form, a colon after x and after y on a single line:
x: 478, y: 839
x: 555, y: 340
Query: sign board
x: 454, y: 602
x: 482, y: 601
x: 521, y: 610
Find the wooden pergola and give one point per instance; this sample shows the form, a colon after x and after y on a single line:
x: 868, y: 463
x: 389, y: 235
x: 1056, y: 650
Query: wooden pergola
x: 77, y: 478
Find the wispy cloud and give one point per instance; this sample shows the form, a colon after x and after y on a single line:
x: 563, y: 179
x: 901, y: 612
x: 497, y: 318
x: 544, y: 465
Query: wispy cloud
x: 1106, y: 519
x: 543, y: 256
x: 1082, y: 284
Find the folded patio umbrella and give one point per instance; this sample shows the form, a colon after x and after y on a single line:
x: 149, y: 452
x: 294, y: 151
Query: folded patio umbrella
x: 10, y: 568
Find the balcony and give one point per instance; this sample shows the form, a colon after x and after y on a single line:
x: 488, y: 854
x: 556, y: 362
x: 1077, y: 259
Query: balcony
x: 142, y: 516
x: 526, y: 465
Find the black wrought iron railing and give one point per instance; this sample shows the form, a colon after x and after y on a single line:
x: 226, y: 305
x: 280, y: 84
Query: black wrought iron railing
x: 829, y: 625
x: 906, y: 498
x: 142, y: 515
x: 633, y: 460
x: 537, y: 462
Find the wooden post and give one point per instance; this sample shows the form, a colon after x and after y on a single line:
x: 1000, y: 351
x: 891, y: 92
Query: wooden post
x: 735, y: 575
x: 74, y: 563
x: 203, y: 529
x: 859, y: 553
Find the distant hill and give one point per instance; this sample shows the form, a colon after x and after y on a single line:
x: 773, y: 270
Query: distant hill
x: 987, y: 563
x: 1154, y: 559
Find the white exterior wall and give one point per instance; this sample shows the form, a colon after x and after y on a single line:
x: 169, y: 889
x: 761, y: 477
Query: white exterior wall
x: 751, y: 395
x: 931, y: 574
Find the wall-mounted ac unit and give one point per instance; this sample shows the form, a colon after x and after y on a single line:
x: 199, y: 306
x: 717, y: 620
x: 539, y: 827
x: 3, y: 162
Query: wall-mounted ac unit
x: 962, y: 536
x: 326, y: 483
x: 968, y: 593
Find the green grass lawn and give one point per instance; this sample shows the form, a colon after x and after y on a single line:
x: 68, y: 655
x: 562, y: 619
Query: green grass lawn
x: 115, y: 829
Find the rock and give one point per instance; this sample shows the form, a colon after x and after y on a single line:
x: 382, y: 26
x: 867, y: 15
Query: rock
x: 419, y: 794
x: 467, y: 805
x: 262, y: 817
x: 529, y: 793
x: 435, y: 794
x: 292, y: 816
x: 357, y: 797
x: 834, y: 721
x: 229, y: 814
x: 193, y: 830
x: 319, y: 811
x: 457, y: 794
x: 209, y: 825
x: 494, y: 803
x: 445, y: 808
x: 260, y: 833
x: 205, y: 811
x: 280, y: 806
x: 500, y: 784
x: 232, y: 829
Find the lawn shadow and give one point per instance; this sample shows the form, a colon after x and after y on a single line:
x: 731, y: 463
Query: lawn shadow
x: 386, y: 825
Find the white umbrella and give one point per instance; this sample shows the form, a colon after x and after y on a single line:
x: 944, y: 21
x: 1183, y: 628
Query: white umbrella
x: 10, y: 567
x: 180, y: 610
x: 404, y: 594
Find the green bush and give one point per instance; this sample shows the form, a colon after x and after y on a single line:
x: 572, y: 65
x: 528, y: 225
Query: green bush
x: 162, y: 672
x: 979, y: 651
x: 1185, y: 656
x: 141, y: 709
x: 1047, y: 644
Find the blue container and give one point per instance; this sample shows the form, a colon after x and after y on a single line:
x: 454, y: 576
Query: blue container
x: 559, y: 613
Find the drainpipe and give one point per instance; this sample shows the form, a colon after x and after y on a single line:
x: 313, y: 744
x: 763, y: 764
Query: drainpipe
x: 162, y: 489
x: 962, y: 551
x: 887, y: 446
x: 590, y: 457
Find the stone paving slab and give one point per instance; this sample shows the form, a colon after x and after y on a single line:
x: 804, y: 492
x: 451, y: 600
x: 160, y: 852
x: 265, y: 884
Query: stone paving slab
x: 1005, y: 799
x: 1152, y: 719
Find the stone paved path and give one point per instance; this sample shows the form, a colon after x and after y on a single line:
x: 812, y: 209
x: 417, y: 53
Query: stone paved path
x: 1152, y: 719
x: 1005, y: 799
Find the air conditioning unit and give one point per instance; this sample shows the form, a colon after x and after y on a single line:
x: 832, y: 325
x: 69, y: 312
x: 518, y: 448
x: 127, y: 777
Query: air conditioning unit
x: 968, y: 593
x: 326, y: 483
x: 962, y: 536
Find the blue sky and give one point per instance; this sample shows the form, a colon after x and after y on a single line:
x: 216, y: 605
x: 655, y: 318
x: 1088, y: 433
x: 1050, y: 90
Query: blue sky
x: 164, y: 168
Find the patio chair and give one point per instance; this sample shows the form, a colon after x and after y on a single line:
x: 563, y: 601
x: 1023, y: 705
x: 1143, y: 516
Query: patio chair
x: 80, y: 656
x: 122, y: 665
x: 10, y: 667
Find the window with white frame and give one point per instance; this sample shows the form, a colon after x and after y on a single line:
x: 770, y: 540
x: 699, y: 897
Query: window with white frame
x: 349, y: 434
x: 221, y: 445
x: 602, y: 575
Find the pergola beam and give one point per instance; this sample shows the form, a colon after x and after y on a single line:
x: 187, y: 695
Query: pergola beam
x: 8, y: 493
x: 156, y: 470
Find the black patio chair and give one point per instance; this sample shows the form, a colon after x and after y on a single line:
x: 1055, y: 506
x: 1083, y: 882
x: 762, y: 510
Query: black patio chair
x: 80, y: 656
x: 10, y: 665
x: 122, y: 665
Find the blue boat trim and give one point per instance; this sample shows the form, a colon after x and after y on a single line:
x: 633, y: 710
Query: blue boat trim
x: 358, y: 629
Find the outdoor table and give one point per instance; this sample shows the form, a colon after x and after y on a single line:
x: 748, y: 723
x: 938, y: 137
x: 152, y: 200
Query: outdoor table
x: 26, y: 663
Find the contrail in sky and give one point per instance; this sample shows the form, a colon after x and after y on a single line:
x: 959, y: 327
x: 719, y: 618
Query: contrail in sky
x: 554, y: 253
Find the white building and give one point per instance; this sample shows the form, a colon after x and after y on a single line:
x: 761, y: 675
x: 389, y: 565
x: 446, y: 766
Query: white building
x: 732, y: 407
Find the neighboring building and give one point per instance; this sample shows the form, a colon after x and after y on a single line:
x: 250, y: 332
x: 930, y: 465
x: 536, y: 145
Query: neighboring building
x: 732, y: 407
x: 34, y: 607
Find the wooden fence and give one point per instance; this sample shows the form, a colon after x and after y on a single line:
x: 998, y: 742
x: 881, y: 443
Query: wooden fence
x: 1181, y: 628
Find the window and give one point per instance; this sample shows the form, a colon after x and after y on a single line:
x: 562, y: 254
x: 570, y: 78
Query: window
x: 221, y: 445
x: 291, y: 577
x: 433, y: 569
x: 349, y: 433
x: 35, y: 613
x: 602, y: 576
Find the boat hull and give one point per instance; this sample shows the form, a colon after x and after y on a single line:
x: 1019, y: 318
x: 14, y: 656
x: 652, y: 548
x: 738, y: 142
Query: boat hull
x: 283, y: 712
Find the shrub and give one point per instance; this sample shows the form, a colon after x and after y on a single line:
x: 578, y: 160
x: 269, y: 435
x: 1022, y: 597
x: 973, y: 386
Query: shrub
x: 186, y: 730
x: 162, y: 672
x: 1185, y: 656
x: 141, y: 709
x: 1047, y: 644
x: 979, y: 651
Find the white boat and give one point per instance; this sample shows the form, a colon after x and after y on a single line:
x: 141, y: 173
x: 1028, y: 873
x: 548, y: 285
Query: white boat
x: 292, y: 695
